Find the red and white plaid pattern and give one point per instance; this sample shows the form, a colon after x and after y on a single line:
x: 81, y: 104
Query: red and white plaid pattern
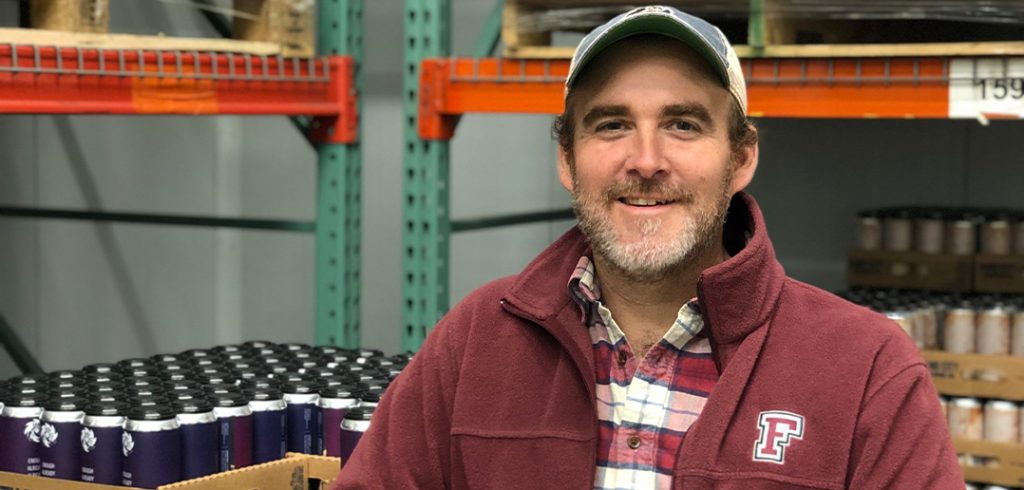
x: 644, y: 406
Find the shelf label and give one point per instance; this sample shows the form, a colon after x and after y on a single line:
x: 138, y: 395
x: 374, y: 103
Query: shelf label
x: 986, y: 88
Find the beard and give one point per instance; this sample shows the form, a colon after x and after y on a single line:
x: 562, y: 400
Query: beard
x: 642, y: 256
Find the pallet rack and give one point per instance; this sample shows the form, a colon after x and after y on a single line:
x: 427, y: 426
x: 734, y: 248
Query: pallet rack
x: 898, y: 81
x: 321, y: 94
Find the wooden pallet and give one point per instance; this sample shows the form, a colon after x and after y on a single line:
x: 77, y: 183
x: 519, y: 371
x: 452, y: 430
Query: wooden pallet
x: 272, y: 27
x: 775, y: 34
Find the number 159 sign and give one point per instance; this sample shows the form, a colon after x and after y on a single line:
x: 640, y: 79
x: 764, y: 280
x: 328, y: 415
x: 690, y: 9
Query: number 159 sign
x: 986, y: 87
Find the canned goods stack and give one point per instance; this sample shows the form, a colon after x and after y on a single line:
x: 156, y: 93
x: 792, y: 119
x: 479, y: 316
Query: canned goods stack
x: 933, y: 230
x: 991, y: 324
x: 147, y: 422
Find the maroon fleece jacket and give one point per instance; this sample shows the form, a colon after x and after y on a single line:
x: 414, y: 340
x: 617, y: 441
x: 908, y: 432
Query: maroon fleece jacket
x: 815, y: 392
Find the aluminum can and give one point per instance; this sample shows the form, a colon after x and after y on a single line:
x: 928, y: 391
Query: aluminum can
x: 356, y: 422
x: 1002, y: 421
x: 960, y: 236
x: 269, y: 423
x: 199, y: 437
x: 234, y: 419
x: 966, y: 418
x: 929, y: 233
x: 996, y: 236
x: 60, y: 438
x: 994, y: 325
x: 335, y: 401
x: 304, y: 417
x: 19, y: 431
x: 151, y: 446
x: 1017, y: 334
x: 960, y: 329
x: 899, y: 232
x: 102, y: 438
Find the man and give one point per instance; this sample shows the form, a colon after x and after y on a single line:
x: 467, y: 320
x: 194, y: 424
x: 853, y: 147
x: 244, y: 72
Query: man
x: 659, y: 344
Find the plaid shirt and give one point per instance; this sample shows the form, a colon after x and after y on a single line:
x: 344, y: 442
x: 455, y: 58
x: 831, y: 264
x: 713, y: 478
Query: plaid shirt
x: 644, y: 406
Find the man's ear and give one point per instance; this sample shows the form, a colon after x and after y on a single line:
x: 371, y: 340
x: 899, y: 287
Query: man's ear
x: 564, y: 170
x: 743, y: 171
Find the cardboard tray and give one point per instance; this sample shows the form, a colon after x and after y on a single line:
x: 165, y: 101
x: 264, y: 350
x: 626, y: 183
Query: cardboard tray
x: 909, y: 270
x: 999, y: 273
x: 294, y: 472
x: 976, y: 375
x: 1003, y: 463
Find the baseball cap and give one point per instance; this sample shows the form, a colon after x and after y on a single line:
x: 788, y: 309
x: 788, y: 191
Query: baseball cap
x: 706, y: 39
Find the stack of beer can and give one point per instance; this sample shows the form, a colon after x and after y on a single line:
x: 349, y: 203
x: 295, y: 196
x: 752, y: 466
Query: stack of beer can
x: 147, y: 422
x: 991, y: 324
x: 934, y: 230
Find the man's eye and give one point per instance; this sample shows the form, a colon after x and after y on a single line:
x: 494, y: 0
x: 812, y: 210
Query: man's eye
x: 611, y: 126
x: 683, y: 126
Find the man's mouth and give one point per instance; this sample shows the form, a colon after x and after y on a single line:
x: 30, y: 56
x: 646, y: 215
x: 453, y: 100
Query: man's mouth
x: 644, y: 202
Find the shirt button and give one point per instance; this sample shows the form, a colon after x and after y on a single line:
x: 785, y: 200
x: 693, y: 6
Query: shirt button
x: 633, y: 442
x: 622, y: 358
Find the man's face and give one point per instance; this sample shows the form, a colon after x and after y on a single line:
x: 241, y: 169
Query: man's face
x: 651, y: 172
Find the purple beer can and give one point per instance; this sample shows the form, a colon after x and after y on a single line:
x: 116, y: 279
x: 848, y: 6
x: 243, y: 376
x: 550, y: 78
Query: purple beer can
x: 151, y: 445
x: 356, y: 422
x: 102, y: 435
x: 60, y: 436
x: 19, y: 431
x: 234, y: 419
x: 269, y: 424
x: 335, y: 401
x: 198, y: 437
x: 305, y: 421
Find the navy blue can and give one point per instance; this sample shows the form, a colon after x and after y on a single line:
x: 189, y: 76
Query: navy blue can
x: 234, y: 418
x: 269, y: 424
x: 305, y: 422
x: 102, y: 439
x: 151, y: 446
x: 356, y: 422
x: 60, y: 435
x: 19, y: 431
x: 199, y: 437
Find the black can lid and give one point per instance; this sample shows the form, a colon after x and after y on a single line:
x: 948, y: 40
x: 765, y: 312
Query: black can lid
x: 261, y: 352
x: 329, y: 381
x: 342, y: 391
x: 213, y: 370
x: 299, y: 386
x: 106, y: 407
x: 368, y: 353
x: 263, y: 393
x: 260, y: 382
x: 259, y: 344
x: 383, y: 383
x: 187, y: 384
x: 228, y: 348
x: 236, y: 356
x: 150, y: 390
x: 142, y: 381
x: 160, y: 411
x: 291, y: 377
x: 276, y: 359
x: 166, y: 358
x: 65, y: 403
x: 68, y: 384
x: 65, y: 374
x: 135, y: 362
x: 205, y: 362
x: 175, y: 366
x: 243, y: 374
x: 103, y: 378
x: 371, y: 396
x: 216, y: 379
x: 141, y: 372
x: 235, y: 399
x: 213, y: 389
x: 104, y: 388
x: 197, y: 353
x: 100, y: 368
x: 28, y: 380
x: 199, y: 404
x: 308, y: 363
x: 360, y: 413
x: 280, y: 369
x: 96, y: 397
x: 26, y: 398
x: 186, y: 394
x: 326, y: 349
x: 295, y: 346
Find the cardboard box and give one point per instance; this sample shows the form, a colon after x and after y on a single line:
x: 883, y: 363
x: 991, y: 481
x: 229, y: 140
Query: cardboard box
x: 999, y: 273
x: 1003, y: 464
x: 977, y: 375
x: 909, y: 270
x: 294, y: 472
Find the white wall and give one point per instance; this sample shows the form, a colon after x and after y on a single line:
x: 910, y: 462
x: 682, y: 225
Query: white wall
x: 81, y: 292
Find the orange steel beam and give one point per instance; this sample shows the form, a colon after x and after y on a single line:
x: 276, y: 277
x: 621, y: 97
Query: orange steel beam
x: 812, y: 88
x: 51, y: 80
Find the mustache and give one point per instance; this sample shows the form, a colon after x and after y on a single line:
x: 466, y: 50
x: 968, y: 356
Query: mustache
x: 642, y: 186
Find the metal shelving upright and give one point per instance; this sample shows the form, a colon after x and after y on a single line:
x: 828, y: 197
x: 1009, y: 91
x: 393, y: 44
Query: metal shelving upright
x: 321, y: 94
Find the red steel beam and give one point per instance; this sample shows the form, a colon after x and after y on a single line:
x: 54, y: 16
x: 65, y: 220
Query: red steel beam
x: 51, y: 80
x: 812, y: 88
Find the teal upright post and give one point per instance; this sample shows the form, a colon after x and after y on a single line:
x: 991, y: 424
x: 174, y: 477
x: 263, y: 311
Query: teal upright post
x: 339, y: 184
x: 427, y: 227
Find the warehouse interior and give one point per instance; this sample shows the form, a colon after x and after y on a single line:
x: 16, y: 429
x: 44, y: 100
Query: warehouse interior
x: 77, y: 292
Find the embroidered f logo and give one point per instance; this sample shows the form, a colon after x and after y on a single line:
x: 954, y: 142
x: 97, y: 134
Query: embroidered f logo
x: 777, y: 430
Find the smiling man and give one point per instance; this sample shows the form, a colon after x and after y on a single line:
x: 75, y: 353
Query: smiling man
x: 659, y: 344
